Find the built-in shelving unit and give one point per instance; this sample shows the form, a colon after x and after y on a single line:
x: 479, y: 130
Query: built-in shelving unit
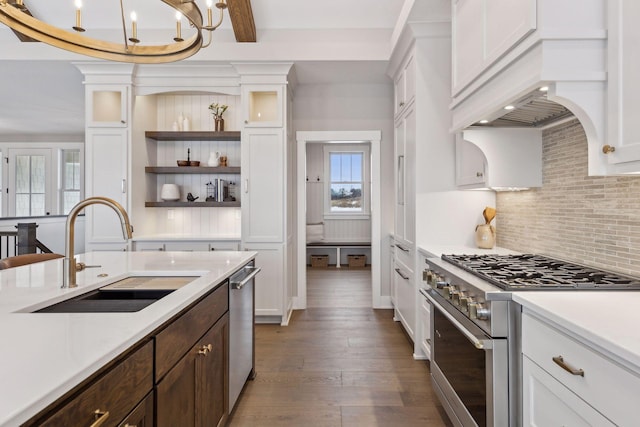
x: 193, y: 136
x: 195, y: 204
x: 179, y: 136
x: 191, y: 170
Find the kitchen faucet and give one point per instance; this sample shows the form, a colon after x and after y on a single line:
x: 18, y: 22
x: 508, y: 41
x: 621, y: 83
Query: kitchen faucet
x: 69, y: 266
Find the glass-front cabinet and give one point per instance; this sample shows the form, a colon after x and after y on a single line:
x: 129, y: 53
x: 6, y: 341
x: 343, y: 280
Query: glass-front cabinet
x: 107, y: 106
x: 263, y: 106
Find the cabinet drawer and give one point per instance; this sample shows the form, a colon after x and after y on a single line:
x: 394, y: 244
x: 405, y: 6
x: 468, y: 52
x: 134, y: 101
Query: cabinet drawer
x: 175, y: 341
x: 404, y: 255
x: 607, y: 386
x: 116, y: 392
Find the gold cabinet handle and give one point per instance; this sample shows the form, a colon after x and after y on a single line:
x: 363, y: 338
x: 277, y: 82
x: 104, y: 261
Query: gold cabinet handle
x: 606, y: 149
x: 100, y: 417
x: 205, y: 349
x: 564, y: 365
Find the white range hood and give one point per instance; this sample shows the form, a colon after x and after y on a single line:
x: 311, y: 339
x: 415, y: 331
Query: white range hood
x: 571, y: 61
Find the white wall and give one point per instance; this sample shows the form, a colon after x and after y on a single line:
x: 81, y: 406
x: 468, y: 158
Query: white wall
x: 444, y: 214
x: 361, y: 107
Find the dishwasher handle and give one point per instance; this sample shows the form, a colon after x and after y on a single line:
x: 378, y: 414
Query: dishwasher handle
x: 239, y: 284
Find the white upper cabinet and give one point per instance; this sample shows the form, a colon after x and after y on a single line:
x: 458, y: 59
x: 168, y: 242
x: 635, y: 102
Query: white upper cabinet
x: 483, y: 31
x: 107, y: 106
x: 623, y: 134
x: 499, y: 159
x: 405, y: 86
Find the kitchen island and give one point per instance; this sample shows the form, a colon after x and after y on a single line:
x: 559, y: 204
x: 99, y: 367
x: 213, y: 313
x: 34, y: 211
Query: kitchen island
x: 45, y: 355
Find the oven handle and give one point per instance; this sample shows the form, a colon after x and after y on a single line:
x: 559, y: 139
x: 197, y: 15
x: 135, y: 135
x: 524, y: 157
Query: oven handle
x: 480, y: 344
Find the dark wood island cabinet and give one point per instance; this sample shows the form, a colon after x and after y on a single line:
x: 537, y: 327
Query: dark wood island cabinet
x: 182, y: 367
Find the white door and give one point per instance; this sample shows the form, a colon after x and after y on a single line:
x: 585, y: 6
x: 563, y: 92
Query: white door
x: 30, y: 190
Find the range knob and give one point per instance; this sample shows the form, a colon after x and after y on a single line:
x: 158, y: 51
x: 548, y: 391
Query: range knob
x: 478, y: 311
x: 465, y: 302
x: 441, y: 284
x: 453, y: 292
x: 458, y: 297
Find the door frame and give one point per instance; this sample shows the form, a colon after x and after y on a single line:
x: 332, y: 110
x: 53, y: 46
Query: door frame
x: 374, y: 139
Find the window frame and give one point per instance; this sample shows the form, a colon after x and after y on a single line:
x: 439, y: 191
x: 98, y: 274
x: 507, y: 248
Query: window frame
x: 363, y: 149
x: 62, y: 177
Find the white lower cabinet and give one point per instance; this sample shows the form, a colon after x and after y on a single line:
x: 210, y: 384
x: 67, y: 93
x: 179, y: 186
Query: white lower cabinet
x: 270, y: 299
x: 547, y: 402
x: 424, y: 315
x: 568, y: 382
x: 186, y: 245
x: 405, y: 298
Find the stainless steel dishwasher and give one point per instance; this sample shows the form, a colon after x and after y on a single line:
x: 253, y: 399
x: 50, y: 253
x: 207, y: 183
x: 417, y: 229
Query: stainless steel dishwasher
x: 241, y: 330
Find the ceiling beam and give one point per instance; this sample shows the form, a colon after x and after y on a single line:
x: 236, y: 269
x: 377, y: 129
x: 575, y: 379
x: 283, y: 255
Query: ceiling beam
x: 241, y: 16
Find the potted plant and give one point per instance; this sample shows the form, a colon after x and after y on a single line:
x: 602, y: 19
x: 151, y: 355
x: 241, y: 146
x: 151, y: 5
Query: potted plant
x: 218, y: 110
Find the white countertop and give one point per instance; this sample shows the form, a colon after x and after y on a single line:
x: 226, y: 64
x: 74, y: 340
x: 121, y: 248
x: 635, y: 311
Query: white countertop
x: 187, y: 237
x: 43, y: 355
x: 436, y: 251
x: 609, y: 322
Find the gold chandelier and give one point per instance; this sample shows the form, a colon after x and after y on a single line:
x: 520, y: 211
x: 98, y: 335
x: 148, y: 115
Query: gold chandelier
x: 15, y: 15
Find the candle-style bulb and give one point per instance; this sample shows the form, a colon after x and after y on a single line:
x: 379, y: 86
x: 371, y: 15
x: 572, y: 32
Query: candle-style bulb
x: 178, y: 37
x: 134, y: 28
x: 78, y: 26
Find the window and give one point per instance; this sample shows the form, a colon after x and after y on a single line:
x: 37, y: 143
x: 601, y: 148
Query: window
x: 39, y: 180
x: 347, y: 186
x: 346, y: 182
x: 28, y: 180
x: 70, y: 179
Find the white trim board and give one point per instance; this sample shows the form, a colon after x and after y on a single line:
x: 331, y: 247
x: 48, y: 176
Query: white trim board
x: 373, y: 138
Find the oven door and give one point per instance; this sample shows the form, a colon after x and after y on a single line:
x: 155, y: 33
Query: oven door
x: 469, y: 369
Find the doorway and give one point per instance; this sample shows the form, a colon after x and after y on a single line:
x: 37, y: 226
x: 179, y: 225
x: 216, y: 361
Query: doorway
x: 372, y: 139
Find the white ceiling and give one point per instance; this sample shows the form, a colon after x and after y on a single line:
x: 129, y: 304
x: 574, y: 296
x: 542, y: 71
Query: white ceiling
x: 44, y: 94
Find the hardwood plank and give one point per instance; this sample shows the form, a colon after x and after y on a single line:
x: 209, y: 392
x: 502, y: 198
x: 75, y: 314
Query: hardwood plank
x: 241, y: 16
x: 338, y: 363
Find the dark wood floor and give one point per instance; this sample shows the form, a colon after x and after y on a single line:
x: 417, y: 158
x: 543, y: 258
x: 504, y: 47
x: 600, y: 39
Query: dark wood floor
x: 338, y: 363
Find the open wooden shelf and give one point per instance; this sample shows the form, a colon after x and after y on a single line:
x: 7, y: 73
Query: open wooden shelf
x: 196, y: 204
x: 192, y: 170
x: 193, y: 136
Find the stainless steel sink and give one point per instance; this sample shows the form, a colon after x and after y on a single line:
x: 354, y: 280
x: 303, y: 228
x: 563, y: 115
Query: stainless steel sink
x: 127, y: 295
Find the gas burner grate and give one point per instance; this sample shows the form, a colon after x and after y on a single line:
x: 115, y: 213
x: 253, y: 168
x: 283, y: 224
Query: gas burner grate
x: 535, y: 272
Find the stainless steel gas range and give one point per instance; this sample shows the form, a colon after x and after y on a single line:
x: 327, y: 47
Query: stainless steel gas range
x: 475, y: 346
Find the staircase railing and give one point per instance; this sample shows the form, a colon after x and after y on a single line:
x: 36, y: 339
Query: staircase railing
x: 22, y: 241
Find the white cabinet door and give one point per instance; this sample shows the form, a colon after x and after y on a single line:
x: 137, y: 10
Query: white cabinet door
x: 405, y: 172
x: 468, y: 42
x: 107, y: 106
x: 406, y: 299
x: 623, y: 84
x: 471, y: 163
x: 547, y: 402
x: 269, y: 285
x: 263, y: 105
x: 106, y: 158
x: 263, y: 185
x: 425, y: 327
x: 187, y: 246
x: 405, y: 86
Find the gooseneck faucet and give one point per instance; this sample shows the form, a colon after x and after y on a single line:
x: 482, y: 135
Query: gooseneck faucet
x: 69, y: 266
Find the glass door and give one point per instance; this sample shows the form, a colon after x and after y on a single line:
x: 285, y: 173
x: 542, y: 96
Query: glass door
x: 29, y: 188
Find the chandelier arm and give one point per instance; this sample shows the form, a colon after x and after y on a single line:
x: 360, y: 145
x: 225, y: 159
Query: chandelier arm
x: 213, y: 27
x: 208, y: 41
x: 124, y: 27
x: 189, y: 10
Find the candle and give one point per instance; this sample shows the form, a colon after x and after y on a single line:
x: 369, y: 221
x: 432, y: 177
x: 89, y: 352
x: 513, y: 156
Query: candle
x: 178, y: 37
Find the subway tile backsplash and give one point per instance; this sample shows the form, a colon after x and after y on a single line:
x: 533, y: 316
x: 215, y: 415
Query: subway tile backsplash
x: 588, y: 220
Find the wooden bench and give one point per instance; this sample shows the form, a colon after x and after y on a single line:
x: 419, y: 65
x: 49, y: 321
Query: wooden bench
x: 337, y: 246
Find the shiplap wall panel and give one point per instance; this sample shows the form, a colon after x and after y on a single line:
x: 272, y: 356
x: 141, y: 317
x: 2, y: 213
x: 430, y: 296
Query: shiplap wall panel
x: 224, y: 222
x: 588, y: 220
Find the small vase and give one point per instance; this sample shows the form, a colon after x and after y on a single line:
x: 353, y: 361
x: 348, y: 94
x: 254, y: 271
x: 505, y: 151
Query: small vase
x: 214, y: 159
x: 219, y: 125
x: 485, y: 236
